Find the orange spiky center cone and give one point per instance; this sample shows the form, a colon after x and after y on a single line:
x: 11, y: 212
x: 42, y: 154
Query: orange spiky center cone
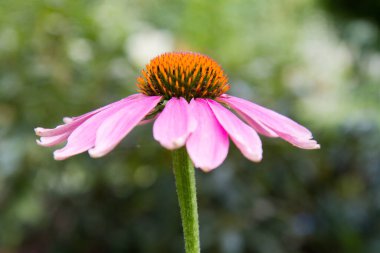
x: 183, y: 74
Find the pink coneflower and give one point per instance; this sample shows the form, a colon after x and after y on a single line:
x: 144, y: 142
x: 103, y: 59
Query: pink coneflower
x: 185, y: 94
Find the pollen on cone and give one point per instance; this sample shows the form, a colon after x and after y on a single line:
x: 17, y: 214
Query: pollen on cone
x: 184, y: 74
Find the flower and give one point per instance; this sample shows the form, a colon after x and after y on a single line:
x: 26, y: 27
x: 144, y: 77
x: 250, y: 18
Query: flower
x: 185, y: 93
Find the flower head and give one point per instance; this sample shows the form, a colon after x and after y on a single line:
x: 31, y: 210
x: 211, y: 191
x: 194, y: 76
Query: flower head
x: 187, y: 75
x: 185, y: 94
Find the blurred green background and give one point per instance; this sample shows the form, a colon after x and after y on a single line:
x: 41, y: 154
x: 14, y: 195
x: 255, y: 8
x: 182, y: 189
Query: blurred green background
x: 316, y: 61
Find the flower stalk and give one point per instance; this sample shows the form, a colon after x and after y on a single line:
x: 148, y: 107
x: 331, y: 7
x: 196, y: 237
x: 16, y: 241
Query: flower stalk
x: 187, y: 198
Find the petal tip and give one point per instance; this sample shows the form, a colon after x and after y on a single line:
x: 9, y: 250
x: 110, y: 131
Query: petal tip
x: 308, y: 144
x: 67, y: 120
x: 257, y: 158
x: 58, y: 156
x: 38, y: 130
x: 254, y: 156
x: 312, y: 144
x: 95, y: 153
x: 179, y: 142
x: 206, y: 169
x: 40, y: 142
x: 176, y: 144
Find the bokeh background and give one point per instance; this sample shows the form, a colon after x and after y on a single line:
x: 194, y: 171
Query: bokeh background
x: 317, y: 61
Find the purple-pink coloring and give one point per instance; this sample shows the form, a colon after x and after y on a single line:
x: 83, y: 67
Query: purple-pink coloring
x: 202, y: 125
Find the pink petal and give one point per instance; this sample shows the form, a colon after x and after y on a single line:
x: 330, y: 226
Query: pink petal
x: 83, y: 137
x: 61, y: 129
x: 258, y: 126
x: 174, y: 124
x: 133, y: 96
x: 118, y: 125
x: 53, y: 140
x: 263, y: 119
x: 74, y: 122
x: 208, y: 144
x: 244, y: 137
x: 300, y: 142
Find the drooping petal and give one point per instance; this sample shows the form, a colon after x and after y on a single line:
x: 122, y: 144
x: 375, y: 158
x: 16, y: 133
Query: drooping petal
x: 126, y: 99
x: 208, y: 144
x: 73, y: 122
x: 263, y: 119
x: 59, y: 130
x: 83, y: 137
x: 53, y: 140
x: 258, y: 126
x: 300, y: 142
x: 244, y: 137
x: 174, y: 124
x: 118, y: 125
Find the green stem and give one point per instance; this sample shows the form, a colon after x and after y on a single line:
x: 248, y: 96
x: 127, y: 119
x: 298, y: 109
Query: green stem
x: 187, y: 198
